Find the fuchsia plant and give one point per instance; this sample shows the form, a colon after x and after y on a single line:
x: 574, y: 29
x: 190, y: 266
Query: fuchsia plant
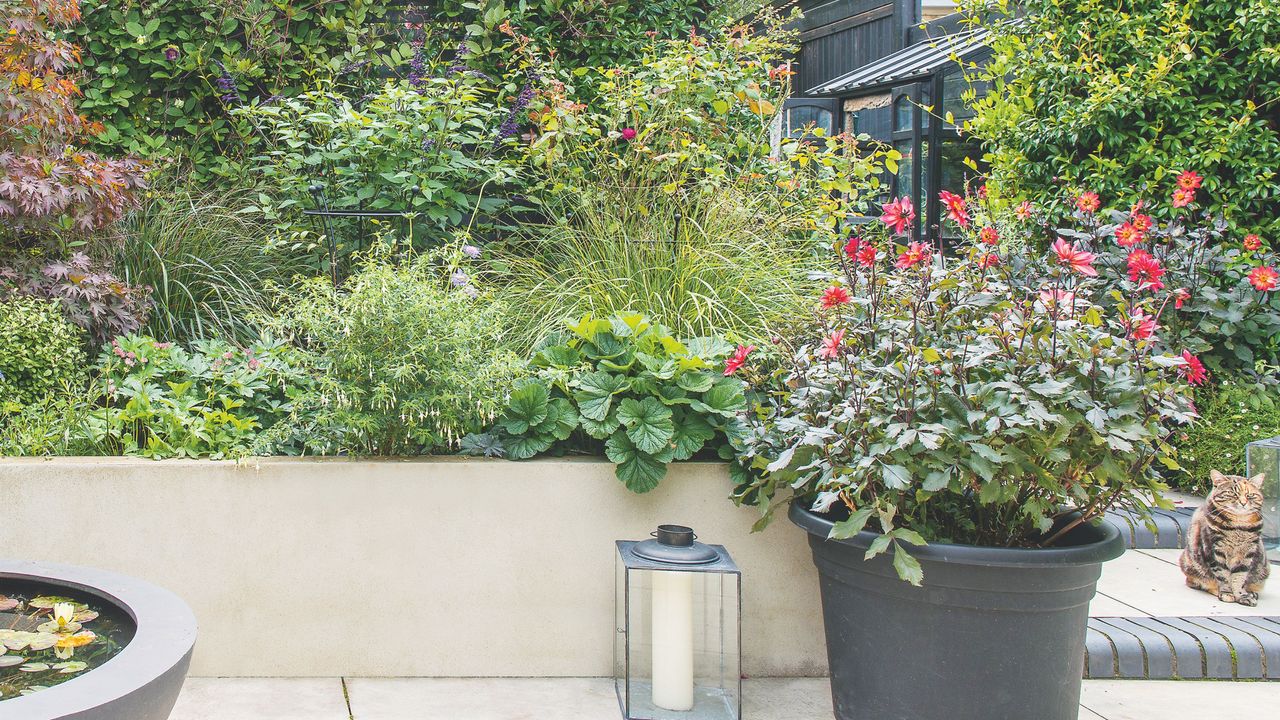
x: 997, y: 395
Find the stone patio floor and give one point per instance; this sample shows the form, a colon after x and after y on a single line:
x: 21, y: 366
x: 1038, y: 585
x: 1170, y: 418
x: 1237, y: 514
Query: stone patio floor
x: 593, y: 699
x: 1140, y: 583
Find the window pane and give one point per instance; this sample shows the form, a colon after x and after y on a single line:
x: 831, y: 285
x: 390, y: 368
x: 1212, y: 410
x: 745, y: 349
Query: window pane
x: 902, y: 114
x: 801, y: 117
x: 905, y: 168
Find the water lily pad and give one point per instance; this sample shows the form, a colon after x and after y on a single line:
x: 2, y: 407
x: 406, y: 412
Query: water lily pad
x: 46, y: 602
x: 84, y: 616
x: 34, y: 689
x: 34, y: 667
x: 7, y: 603
x: 43, y: 641
x: 11, y: 660
x: 68, y: 668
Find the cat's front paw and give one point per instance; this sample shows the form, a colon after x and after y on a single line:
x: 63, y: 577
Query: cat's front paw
x: 1249, y: 598
x: 1226, y: 597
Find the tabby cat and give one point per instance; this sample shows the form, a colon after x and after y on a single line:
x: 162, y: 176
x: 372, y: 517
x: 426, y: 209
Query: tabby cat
x: 1224, y: 554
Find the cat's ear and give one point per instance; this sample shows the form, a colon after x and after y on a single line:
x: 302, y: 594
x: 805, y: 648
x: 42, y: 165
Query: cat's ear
x: 1218, y: 478
x: 1256, y: 480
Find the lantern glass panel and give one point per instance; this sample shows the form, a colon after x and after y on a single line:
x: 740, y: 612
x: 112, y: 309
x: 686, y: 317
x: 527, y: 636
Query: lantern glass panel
x: 1263, y: 458
x: 678, y: 655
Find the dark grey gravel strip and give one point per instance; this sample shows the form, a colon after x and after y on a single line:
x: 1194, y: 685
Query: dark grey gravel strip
x: 1215, y: 648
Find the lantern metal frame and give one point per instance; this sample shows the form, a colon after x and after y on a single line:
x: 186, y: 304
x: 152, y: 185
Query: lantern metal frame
x: 628, y: 562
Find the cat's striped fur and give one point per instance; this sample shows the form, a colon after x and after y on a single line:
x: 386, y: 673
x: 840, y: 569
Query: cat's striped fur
x: 1224, y: 554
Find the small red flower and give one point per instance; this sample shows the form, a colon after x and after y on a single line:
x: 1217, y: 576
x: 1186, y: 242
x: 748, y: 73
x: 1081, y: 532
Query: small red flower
x: 1252, y: 242
x: 915, y: 253
x: 1088, y: 202
x: 1024, y: 210
x: 1189, y: 180
x: 830, y: 348
x: 955, y: 208
x: 1183, y: 197
x: 1264, y: 278
x: 982, y: 191
x: 835, y: 295
x: 1141, y: 223
x: 989, y: 236
x: 861, y: 251
x: 989, y: 260
x: 899, y: 215
x: 1145, y: 270
x: 1142, y: 326
x: 628, y: 134
x: 735, y: 363
x: 1192, y: 369
x: 1127, y: 235
x: 1180, y: 296
x: 1074, y: 258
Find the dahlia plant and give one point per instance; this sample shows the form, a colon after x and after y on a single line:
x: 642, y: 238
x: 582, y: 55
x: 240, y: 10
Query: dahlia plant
x: 970, y: 398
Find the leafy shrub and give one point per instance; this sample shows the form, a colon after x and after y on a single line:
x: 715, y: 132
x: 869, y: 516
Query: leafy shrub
x: 162, y: 73
x: 1231, y: 415
x: 159, y: 400
x: 626, y: 385
x: 410, y: 360
x: 50, y: 426
x: 90, y: 295
x: 671, y: 200
x: 46, y: 177
x: 165, y: 72
x: 39, y: 351
x: 205, y: 261
x: 1133, y: 95
x: 1212, y: 296
x: 433, y: 147
x: 970, y: 400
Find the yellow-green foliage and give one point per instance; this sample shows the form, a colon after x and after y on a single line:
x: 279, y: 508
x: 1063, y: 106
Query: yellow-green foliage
x: 40, y: 352
x: 1230, y: 417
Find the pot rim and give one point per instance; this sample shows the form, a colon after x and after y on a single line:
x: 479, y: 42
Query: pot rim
x: 163, y: 640
x: 1105, y: 544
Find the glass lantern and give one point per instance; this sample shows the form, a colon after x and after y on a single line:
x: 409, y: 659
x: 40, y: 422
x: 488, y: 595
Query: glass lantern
x: 1262, y: 457
x: 678, y: 629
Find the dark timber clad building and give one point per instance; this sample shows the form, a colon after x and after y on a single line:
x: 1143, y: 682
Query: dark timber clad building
x: 873, y: 66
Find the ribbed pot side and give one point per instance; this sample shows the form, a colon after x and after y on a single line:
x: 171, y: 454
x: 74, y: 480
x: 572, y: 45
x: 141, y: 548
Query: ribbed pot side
x: 992, y: 634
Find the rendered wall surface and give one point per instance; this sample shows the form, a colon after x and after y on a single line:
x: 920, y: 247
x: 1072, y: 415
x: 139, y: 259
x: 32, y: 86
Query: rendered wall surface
x: 432, y: 567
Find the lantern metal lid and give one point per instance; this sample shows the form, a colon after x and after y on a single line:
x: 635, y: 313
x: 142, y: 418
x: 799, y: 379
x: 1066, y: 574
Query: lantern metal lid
x: 675, y: 545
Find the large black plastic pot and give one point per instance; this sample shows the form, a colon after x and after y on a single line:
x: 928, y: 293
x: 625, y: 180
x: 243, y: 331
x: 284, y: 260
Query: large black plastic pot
x: 993, y: 633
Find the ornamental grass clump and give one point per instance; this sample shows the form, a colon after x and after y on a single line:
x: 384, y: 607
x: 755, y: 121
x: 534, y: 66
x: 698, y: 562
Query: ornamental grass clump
x: 969, y: 399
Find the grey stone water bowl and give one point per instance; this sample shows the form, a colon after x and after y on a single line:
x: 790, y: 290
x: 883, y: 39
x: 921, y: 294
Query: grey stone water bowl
x: 141, y: 682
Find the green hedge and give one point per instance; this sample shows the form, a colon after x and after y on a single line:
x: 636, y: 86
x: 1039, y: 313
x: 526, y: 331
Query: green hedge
x: 1108, y: 96
x: 1231, y: 415
x: 40, y: 351
x: 153, y: 68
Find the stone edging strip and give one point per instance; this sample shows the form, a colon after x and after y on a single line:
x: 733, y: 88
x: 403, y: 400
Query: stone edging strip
x: 1170, y: 528
x: 1184, y: 648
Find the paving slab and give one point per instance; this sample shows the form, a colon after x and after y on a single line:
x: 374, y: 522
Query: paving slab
x: 1107, y: 606
x: 481, y: 698
x: 1155, y: 700
x: 1151, y: 581
x: 261, y: 699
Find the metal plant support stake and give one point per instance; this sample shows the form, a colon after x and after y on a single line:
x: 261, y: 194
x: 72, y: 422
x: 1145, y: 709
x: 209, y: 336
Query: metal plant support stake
x: 324, y: 216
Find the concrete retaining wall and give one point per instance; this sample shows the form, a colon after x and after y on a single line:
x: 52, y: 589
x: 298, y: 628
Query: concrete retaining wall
x: 436, y: 567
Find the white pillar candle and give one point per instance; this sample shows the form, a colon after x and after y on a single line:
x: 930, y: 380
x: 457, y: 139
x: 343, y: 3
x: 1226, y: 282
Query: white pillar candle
x: 673, y: 640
